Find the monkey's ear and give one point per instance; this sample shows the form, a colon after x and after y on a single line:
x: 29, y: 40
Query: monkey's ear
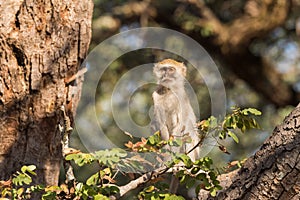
x: 183, y: 69
x: 155, y: 67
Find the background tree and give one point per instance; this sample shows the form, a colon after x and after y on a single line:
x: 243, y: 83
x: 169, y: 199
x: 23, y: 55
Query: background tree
x: 254, y: 42
x: 228, y: 30
x: 43, y: 43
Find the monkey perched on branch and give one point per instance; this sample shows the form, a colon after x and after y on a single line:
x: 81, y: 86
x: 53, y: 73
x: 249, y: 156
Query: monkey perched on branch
x: 173, y: 113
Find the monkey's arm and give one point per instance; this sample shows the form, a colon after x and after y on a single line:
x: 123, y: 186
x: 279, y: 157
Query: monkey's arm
x: 159, y: 118
x: 191, y: 129
x: 158, y: 123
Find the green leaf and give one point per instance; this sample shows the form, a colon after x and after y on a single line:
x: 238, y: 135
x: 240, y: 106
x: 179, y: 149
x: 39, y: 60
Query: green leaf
x: 186, y: 160
x: 251, y: 111
x: 213, y: 122
x: 206, y: 30
x: 29, y: 168
x: 195, y: 170
x: 183, y: 179
x: 79, y: 187
x: 114, y: 189
x: 121, y: 153
x: 254, y: 124
x: 174, y: 197
x: 201, y: 176
x: 243, y: 129
x: 212, y: 175
x: 93, y: 180
x: 222, y: 135
x: 216, y: 182
x: 81, y: 158
x: 240, y: 123
x: 49, y: 196
x: 20, y: 191
x: 176, y: 143
x: 228, y: 122
x: 235, y: 120
x: 154, y: 140
x: 24, y: 169
x: 109, y: 157
x: 197, y: 189
x: 150, y: 189
x: 109, y: 190
x: 100, y: 197
x: 71, y: 157
x: 151, y: 140
x: 213, y: 192
x: 21, y: 179
x: 233, y: 136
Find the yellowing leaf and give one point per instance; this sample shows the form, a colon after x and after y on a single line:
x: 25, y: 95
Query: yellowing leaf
x: 150, y: 189
x: 233, y: 136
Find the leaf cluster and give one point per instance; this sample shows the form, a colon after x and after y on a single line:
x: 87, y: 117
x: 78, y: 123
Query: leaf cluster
x: 239, y: 119
x: 139, y: 157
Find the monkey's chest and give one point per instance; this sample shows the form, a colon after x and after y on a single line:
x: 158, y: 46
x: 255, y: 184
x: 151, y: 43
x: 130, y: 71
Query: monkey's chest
x: 173, y: 113
x: 172, y: 105
x: 170, y: 109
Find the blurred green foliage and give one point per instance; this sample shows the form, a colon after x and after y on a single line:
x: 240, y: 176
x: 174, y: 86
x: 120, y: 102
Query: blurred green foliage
x: 280, y: 47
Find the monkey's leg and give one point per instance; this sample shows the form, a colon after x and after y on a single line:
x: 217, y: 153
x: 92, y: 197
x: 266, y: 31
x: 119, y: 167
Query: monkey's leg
x: 174, y: 180
x: 174, y: 185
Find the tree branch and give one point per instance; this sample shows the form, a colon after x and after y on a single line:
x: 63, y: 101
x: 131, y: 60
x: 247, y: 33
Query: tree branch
x: 274, y: 170
x: 260, y: 17
x: 152, y: 175
x: 225, y: 182
x: 142, y: 180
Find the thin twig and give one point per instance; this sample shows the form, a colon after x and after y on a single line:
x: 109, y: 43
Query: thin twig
x: 78, y: 74
x: 66, y: 129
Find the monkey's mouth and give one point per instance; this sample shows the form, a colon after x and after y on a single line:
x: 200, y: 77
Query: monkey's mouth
x: 167, y: 80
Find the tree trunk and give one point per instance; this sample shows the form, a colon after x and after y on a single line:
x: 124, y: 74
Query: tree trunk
x: 42, y: 45
x: 274, y: 171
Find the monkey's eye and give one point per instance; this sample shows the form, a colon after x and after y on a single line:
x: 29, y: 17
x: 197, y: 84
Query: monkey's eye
x: 163, y: 69
x: 168, y: 69
x: 172, y: 69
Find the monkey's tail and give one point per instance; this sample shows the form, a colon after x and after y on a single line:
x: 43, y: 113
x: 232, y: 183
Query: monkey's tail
x: 174, y: 184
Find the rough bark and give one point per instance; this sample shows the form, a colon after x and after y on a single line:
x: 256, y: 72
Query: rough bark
x: 274, y: 171
x: 42, y: 44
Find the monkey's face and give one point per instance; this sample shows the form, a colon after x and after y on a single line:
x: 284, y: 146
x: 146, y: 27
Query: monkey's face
x: 169, y: 75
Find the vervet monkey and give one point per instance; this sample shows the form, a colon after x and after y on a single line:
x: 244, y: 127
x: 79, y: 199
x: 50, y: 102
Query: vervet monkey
x: 173, y: 113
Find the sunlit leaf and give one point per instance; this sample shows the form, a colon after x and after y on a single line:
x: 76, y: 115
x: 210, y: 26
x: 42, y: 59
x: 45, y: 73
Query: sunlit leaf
x: 186, y: 160
x: 100, y: 197
x: 29, y: 168
x: 251, y: 111
x: 93, y: 180
x: 19, y: 191
x: 213, y: 192
x: 195, y: 170
x: 150, y: 188
x: 233, y: 136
